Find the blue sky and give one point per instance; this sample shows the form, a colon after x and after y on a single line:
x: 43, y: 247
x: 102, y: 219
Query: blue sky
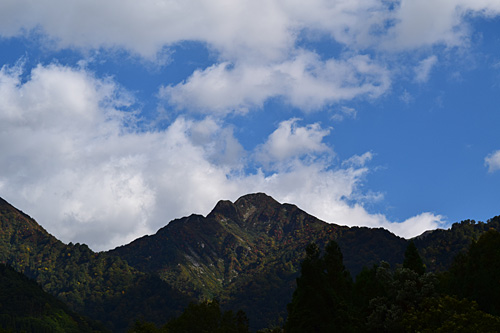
x: 119, y: 116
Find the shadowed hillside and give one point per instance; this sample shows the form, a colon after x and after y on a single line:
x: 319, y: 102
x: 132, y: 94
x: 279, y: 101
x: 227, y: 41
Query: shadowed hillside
x: 246, y: 254
x: 98, y: 285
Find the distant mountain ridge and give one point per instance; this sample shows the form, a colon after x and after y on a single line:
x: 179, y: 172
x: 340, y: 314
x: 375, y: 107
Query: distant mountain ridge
x: 245, y: 233
x: 247, y: 254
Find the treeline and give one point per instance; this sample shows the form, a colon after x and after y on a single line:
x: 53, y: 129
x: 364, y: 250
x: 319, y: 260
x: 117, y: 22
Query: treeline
x: 204, y: 317
x: 466, y: 298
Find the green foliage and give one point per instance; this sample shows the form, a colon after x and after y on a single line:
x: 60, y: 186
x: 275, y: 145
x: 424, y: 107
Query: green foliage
x: 402, y: 291
x: 204, y: 317
x: 449, y: 314
x: 408, y: 300
x: 370, y: 284
x: 475, y: 275
x: 321, y: 301
x: 24, y: 306
x: 95, y: 284
x: 413, y: 260
x: 141, y: 326
x: 438, y: 248
x: 248, y: 255
x: 207, y: 317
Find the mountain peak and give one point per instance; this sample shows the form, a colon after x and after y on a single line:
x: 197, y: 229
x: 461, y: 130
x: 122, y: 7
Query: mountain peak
x: 245, y: 207
x: 226, y: 209
x: 256, y: 198
x: 248, y: 204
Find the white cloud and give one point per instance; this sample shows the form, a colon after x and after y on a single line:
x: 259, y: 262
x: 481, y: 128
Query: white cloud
x: 423, y: 70
x: 249, y: 29
x: 290, y: 141
x: 305, y: 82
x: 326, y: 194
x: 426, y: 22
x: 358, y: 160
x: 71, y: 158
x: 146, y: 27
x: 416, y: 225
x: 256, y: 42
x: 492, y: 161
x: 343, y: 112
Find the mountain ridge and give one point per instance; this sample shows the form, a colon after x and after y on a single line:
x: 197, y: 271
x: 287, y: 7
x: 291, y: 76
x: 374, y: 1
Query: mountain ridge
x: 247, y: 254
x: 249, y: 245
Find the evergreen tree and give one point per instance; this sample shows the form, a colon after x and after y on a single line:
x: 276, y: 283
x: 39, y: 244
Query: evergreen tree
x: 207, y: 317
x: 413, y: 260
x: 321, y: 301
x: 476, y: 274
x: 401, y: 291
x: 448, y: 314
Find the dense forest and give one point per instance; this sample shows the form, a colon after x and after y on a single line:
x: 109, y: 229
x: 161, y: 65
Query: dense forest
x: 406, y: 298
x: 25, y: 307
x: 258, y: 265
x: 402, y: 299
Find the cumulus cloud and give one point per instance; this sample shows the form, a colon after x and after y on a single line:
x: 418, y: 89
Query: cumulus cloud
x: 425, y: 23
x: 290, y: 141
x: 305, y: 82
x: 244, y: 28
x: 416, y: 225
x: 256, y: 42
x: 492, y: 161
x: 77, y: 165
x: 71, y: 157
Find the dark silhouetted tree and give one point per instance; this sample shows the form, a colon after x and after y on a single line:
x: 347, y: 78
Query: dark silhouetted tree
x: 207, y: 317
x: 476, y: 274
x: 413, y: 260
x: 448, y: 314
x: 321, y: 301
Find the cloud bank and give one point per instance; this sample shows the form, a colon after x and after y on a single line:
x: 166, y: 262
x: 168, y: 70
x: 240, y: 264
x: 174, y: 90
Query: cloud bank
x: 73, y: 157
x: 244, y: 28
x: 258, y: 44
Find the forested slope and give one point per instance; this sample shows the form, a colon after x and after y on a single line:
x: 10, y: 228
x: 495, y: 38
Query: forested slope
x: 101, y: 286
x: 246, y: 254
x: 24, y: 306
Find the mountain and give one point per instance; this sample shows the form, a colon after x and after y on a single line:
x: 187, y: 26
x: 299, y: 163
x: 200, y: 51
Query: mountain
x: 247, y: 254
x: 98, y: 285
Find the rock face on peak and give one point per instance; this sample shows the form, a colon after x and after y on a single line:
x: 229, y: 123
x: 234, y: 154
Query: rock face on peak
x: 250, y: 203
